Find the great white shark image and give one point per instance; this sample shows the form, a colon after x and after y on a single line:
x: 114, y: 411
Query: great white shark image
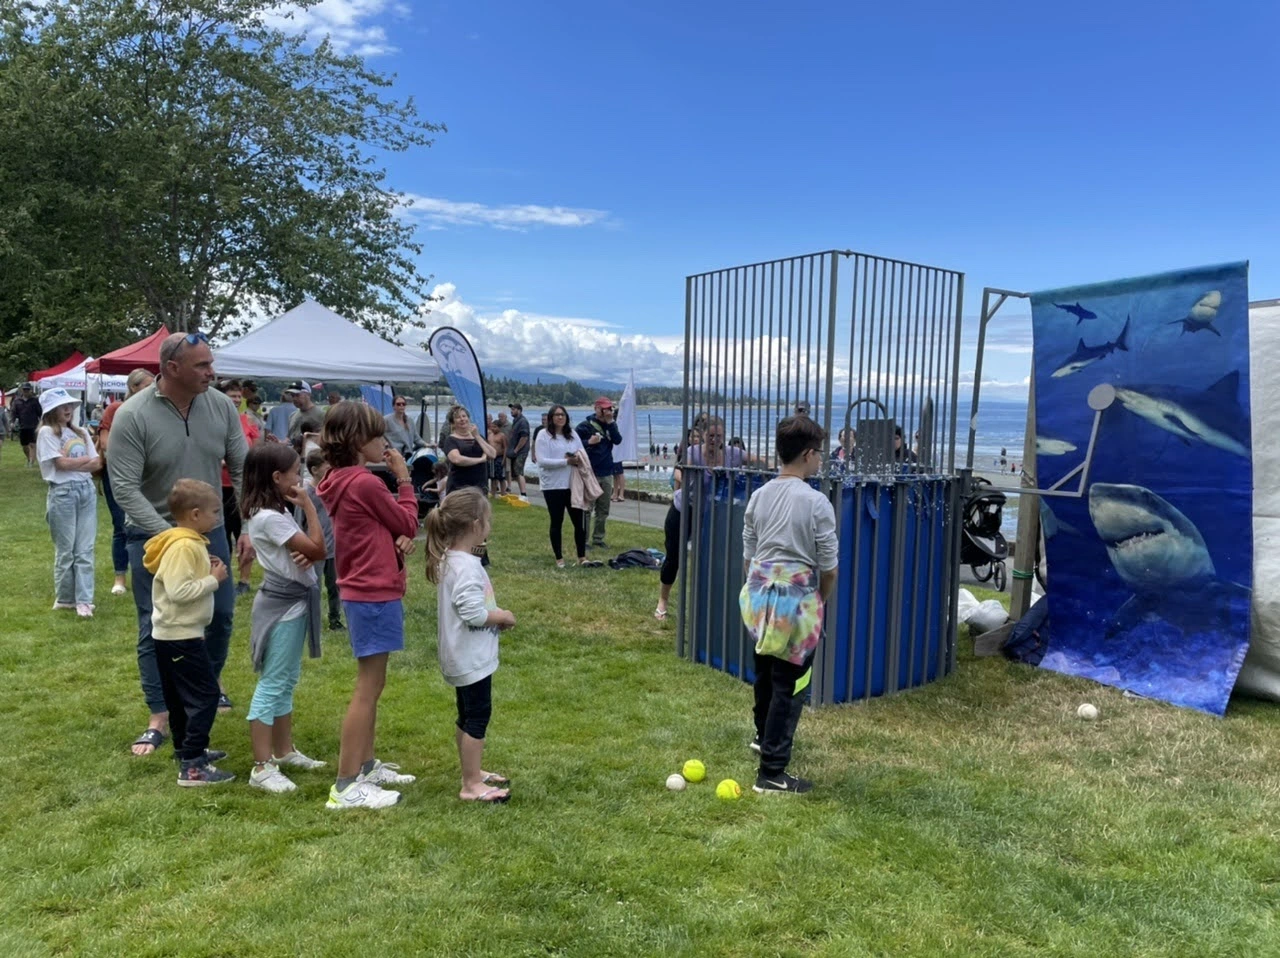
x: 1087, y: 355
x: 1202, y: 314
x: 1161, y: 556
x: 1212, y: 416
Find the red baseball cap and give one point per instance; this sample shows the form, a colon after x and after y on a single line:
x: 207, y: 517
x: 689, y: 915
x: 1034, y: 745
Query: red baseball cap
x: 603, y: 401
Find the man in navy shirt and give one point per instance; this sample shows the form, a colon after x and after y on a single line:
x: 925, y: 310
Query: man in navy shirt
x: 599, y: 434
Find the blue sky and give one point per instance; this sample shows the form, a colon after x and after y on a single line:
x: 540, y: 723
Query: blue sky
x: 599, y: 152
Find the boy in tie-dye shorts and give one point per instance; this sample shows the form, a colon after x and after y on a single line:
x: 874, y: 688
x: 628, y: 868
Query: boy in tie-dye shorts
x: 790, y: 547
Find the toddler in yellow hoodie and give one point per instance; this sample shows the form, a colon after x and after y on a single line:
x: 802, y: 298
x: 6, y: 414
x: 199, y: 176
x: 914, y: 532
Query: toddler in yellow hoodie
x: 186, y: 577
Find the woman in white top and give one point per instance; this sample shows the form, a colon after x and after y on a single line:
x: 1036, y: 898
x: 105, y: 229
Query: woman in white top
x: 558, y: 450
x: 67, y: 461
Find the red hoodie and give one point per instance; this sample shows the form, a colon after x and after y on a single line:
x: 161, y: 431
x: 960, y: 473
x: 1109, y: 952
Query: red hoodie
x: 367, y: 519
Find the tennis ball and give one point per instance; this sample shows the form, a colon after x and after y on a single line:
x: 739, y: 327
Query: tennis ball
x: 694, y: 771
x: 676, y: 783
x: 728, y: 790
x: 1087, y: 711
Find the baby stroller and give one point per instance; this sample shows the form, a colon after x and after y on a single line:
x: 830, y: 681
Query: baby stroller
x: 983, y: 548
x: 421, y: 470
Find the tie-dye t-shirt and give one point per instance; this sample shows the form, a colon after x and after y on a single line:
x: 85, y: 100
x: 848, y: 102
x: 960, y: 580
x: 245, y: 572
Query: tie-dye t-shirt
x: 51, y: 446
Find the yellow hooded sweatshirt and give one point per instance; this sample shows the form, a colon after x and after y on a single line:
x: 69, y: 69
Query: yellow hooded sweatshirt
x: 182, y: 594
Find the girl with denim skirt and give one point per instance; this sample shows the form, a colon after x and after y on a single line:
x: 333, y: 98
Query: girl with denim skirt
x: 373, y: 531
x: 67, y: 462
x: 286, y: 610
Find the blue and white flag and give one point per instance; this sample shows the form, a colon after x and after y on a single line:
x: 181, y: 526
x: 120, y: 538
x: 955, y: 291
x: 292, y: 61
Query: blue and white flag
x: 626, y: 451
x: 380, y: 397
x: 457, y: 361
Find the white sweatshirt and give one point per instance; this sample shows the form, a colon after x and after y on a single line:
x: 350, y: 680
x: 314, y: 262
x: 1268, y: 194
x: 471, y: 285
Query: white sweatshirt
x: 468, y: 648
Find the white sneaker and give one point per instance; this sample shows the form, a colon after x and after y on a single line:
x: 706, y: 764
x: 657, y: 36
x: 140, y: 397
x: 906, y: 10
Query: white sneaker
x: 270, y: 779
x: 84, y: 610
x: 298, y: 760
x: 58, y: 606
x: 524, y: 498
x: 384, y: 773
x: 361, y: 794
x: 118, y: 589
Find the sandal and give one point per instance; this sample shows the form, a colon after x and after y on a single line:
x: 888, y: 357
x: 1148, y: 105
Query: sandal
x: 493, y: 778
x: 494, y: 796
x: 590, y: 563
x: 559, y: 563
x: 660, y: 614
x: 153, y: 737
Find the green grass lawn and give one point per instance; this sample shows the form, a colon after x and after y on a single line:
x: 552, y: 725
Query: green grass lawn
x: 973, y: 817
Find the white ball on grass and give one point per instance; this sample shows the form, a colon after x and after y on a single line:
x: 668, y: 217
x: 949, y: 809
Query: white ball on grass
x: 1087, y: 711
x: 676, y: 782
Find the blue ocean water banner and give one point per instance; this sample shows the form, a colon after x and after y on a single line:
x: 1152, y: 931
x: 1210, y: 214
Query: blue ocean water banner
x: 457, y: 360
x: 1150, y: 571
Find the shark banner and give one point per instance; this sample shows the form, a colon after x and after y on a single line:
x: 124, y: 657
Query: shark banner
x: 457, y: 360
x: 1150, y: 571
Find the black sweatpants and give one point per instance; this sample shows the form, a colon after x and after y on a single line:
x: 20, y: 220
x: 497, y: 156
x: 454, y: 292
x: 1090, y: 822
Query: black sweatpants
x: 190, y: 693
x: 671, y: 535
x: 231, y: 516
x: 780, y: 692
x: 557, y: 501
x: 331, y: 590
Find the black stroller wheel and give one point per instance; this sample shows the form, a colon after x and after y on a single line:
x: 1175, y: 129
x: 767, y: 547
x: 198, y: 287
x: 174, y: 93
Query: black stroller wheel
x: 1000, y: 576
x: 982, y: 572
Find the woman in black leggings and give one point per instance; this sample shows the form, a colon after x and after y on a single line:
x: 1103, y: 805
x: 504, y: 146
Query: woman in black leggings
x: 559, y: 450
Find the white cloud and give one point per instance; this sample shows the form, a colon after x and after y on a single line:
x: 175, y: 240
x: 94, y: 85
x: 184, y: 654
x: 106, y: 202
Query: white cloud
x: 344, y: 22
x: 438, y: 213
x: 574, y: 347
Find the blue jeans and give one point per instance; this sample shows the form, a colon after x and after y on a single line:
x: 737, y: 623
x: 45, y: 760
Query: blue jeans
x: 281, y: 667
x: 119, y: 548
x: 71, y: 510
x: 217, y: 634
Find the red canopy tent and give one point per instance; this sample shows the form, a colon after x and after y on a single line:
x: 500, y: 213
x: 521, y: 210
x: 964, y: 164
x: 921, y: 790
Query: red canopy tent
x: 71, y: 362
x: 144, y: 354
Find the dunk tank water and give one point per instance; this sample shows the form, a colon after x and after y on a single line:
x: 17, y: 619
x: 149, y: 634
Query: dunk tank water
x: 890, y: 623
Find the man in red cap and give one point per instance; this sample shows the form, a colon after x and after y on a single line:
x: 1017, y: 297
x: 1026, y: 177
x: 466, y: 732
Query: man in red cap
x: 599, y: 434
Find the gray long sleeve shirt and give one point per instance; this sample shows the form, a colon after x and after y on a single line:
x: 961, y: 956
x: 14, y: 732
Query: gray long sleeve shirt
x: 152, y: 447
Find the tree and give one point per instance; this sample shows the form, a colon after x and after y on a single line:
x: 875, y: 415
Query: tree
x: 184, y: 162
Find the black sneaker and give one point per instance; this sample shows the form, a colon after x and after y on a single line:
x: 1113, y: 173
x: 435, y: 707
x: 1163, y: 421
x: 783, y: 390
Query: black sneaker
x: 335, y: 625
x: 224, y: 703
x: 197, y: 772
x: 242, y: 589
x: 781, y: 785
x: 754, y: 744
x: 210, y: 755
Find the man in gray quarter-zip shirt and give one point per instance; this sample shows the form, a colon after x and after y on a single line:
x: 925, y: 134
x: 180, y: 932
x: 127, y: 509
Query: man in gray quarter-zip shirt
x: 175, y: 429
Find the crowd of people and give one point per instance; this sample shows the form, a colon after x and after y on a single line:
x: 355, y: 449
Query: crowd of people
x: 200, y: 486
x: 194, y: 476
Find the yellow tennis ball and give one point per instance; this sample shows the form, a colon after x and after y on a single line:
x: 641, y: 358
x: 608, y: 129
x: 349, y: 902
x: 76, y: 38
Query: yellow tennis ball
x: 694, y: 771
x: 728, y: 790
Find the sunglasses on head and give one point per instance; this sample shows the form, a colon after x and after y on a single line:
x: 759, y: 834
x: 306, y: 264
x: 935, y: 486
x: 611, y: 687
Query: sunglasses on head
x: 197, y: 337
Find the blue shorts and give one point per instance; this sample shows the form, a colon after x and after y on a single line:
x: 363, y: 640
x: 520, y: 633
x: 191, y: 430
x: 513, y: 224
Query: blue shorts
x: 375, y: 627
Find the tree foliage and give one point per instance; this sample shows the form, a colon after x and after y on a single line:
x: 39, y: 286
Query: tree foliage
x: 186, y: 162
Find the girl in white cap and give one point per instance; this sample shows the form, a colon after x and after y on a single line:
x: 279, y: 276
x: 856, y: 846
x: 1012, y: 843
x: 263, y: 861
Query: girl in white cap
x: 67, y: 461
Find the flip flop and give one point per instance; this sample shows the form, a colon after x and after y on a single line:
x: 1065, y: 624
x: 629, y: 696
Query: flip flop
x: 153, y: 737
x: 493, y: 778
x: 660, y: 614
x: 491, y: 797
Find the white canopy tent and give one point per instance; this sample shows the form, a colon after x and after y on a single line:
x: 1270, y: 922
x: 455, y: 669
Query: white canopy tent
x: 78, y: 380
x: 313, y: 342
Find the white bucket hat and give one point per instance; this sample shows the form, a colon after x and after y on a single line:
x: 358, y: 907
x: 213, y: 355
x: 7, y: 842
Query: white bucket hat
x: 53, y: 398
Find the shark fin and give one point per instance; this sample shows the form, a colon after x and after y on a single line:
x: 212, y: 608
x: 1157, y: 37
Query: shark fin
x: 1122, y: 341
x: 1228, y: 387
x: 1213, y: 330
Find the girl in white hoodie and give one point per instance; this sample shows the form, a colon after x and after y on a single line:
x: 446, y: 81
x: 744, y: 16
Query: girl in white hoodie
x: 469, y: 623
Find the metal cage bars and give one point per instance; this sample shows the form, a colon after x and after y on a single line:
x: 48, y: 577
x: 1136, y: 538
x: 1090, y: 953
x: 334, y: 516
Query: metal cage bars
x: 833, y: 331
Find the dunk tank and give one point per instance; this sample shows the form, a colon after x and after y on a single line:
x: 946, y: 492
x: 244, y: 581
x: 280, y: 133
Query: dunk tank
x: 870, y: 347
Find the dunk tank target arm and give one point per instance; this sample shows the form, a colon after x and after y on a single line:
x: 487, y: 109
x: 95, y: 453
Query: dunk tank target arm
x: 1100, y: 398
